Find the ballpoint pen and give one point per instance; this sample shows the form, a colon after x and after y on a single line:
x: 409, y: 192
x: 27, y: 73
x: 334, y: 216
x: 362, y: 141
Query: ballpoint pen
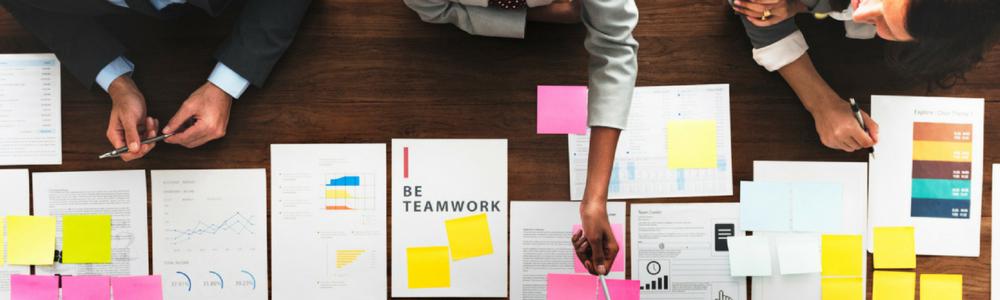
x: 118, y: 152
x: 604, y: 286
x: 861, y: 121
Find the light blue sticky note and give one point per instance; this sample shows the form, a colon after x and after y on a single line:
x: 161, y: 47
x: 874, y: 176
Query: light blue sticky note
x: 765, y: 206
x: 817, y: 207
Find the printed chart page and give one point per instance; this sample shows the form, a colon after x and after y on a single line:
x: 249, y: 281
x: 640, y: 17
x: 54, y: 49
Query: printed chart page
x: 540, y: 233
x: 121, y: 194
x: 449, y: 218
x: 14, y: 184
x: 645, y: 168
x: 210, y: 233
x: 328, y: 221
x: 927, y: 171
x: 30, y: 113
x: 679, y: 251
x: 853, y: 180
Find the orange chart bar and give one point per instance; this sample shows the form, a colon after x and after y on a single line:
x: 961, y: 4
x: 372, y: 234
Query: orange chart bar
x: 942, y: 151
x: 943, y: 132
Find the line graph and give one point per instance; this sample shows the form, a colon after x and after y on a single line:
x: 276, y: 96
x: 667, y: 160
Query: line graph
x: 236, y: 224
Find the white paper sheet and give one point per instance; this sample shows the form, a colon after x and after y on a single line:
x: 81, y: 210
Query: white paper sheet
x: 30, y: 114
x: 328, y: 246
x: 995, y: 258
x: 909, y: 184
x: 852, y: 177
x: 640, y: 168
x: 121, y: 194
x: 210, y: 233
x: 683, y: 246
x: 14, y: 184
x: 437, y: 180
x: 540, y: 234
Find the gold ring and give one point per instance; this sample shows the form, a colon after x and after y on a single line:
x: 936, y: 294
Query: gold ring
x: 767, y: 14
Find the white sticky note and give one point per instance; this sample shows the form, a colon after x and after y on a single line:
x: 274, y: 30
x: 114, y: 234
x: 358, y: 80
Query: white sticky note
x: 749, y: 256
x: 799, y: 254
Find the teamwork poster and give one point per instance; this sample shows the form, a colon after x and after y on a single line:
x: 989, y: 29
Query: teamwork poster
x: 449, y: 218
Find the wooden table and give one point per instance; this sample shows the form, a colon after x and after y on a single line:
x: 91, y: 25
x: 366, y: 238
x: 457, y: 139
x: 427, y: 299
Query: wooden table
x: 366, y: 71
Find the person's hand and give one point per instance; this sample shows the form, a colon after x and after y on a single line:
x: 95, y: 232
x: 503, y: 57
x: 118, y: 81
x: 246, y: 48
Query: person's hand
x: 839, y: 129
x: 780, y: 10
x: 209, y: 106
x: 128, y: 118
x: 595, y: 245
x: 564, y: 12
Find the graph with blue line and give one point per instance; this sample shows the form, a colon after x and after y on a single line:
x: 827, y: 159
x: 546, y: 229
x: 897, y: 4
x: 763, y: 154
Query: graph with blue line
x: 235, y: 224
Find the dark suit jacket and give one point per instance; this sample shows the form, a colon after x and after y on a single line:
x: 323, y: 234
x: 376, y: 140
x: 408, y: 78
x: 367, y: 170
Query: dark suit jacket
x: 260, y: 36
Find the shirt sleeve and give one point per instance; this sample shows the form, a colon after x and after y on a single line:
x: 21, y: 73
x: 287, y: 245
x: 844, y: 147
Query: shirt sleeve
x: 228, y: 80
x: 116, y: 68
x: 476, y: 20
x: 777, y: 45
x: 613, y: 66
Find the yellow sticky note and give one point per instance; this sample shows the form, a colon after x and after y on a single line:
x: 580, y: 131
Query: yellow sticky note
x: 31, y: 240
x: 86, y: 239
x: 428, y: 267
x: 846, y: 288
x: 2, y: 239
x: 469, y: 236
x: 888, y: 285
x: 941, y: 286
x: 894, y: 248
x: 842, y: 255
x: 691, y: 144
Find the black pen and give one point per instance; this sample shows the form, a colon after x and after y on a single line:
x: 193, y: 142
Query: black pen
x: 118, y: 152
x: 861, y: 121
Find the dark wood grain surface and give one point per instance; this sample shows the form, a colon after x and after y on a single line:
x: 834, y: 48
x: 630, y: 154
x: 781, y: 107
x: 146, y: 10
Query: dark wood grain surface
x: 366, y: 71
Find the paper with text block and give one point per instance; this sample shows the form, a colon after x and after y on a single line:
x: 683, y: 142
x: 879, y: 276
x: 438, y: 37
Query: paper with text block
x: 889, y: 285
x: 86, y: 288
x: 436, y: 180
x: 15, y: 202
x: 642, y: 168
x: 137, y: 287
x: 121, y: 194
x: 941, y: 286
x: 31, y: 240
x: 540, y: 244
x: 30, y: 102
x: 86, y: 239
x: 894, y: 248
x: 562, y: 109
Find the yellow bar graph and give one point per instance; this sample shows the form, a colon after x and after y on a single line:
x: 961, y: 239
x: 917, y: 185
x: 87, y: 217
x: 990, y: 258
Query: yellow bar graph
x: 346, y: 257
x: 337, y: 194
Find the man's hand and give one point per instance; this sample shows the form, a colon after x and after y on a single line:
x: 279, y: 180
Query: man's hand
x: 564, y: 12
x: 128, y: 116
x: 839, y: 129
x: 209, y: 106
x: 595, y: 246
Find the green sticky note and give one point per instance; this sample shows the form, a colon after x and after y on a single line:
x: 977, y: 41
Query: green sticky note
x: 31, y: 240
x: 691, y: 144
x: 86, y: 239
x: 894, y: 248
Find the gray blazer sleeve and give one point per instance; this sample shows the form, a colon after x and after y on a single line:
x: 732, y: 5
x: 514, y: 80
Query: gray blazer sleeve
x: 613, y: 66
x: 475, y: 20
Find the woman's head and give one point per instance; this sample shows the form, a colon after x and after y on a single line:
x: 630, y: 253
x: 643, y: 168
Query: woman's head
x: 942, y: 39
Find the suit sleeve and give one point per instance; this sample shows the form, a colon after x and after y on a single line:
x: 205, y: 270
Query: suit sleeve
x: 777, y: 45
x: 613, y: 66
x: 82, y: 45
x: 476, y: 20
x: 261, y: 35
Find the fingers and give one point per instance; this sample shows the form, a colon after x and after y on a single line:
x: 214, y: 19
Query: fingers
x: 872, y: 127
x: 767, y: 2
x: 597, y: 255
x: 131, y: 135
x: 748, y: 12
x: 143, y: 149
x: 750, y: 6
x: 183, y: 114
x: 611, y: 252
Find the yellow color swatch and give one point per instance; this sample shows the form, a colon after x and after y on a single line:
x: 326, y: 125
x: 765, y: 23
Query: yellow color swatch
x: 337, y: 194
x: 31, y: 240
x: 469, y: 236
x: 428, y: 267
x: 942, y: 151
x: 691, y: 144
x: 888, y: 285
x: 894, y: 248
x: 86, y: 239
x: 842, y: 255
x: 843, y: 289
x: 941, y: 286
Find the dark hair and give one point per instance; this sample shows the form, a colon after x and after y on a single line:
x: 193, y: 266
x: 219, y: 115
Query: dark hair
x: 950, y: 37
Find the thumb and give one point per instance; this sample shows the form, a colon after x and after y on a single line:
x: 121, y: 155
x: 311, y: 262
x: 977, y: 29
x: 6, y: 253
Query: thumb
x: 183, y: 114
x: 597, y: 259
x: 131, y: 135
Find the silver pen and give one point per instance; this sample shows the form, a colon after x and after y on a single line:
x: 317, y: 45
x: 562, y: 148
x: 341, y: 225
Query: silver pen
x: 604, y: 286
x: 118, y: 152
x: 861, y: 121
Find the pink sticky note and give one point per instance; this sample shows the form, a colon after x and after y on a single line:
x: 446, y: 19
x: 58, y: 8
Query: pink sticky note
x: 621, y: 289
x: 86, y: 288
x: 619, y: 264
x: 137, y: 287
x: 570, y: 287
x: 562, y: 109
x: 29, y: 287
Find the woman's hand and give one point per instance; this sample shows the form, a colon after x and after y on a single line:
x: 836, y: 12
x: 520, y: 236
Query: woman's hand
x: 562, y: 12
x: 595, y: 245
x: 776, y: 10
x: 839, y: 129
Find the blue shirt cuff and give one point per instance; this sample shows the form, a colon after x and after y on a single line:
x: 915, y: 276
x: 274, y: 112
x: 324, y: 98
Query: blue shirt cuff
x: 113, y: 70
x: 228, y: 80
